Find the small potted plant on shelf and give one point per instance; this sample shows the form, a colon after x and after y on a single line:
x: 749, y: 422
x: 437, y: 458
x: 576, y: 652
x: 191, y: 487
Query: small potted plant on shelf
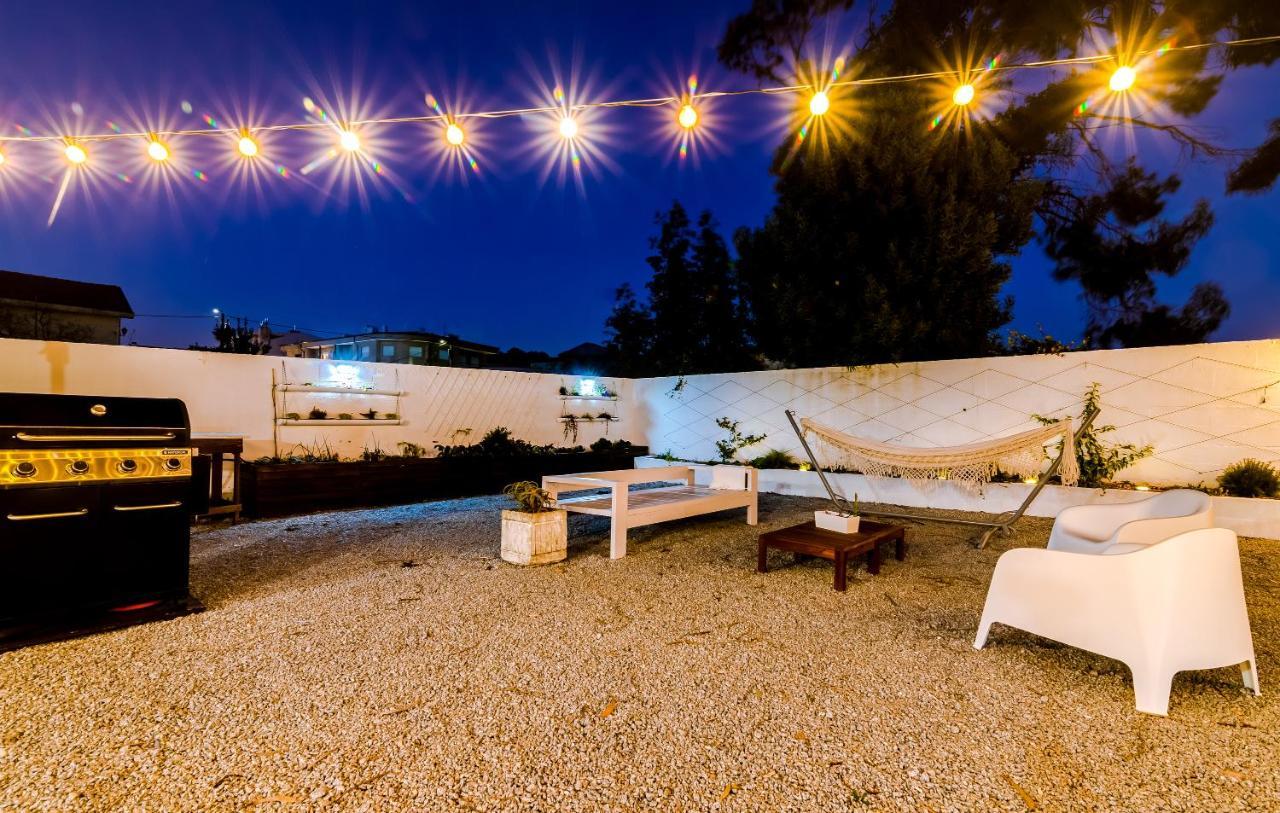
x: 535, y: 532
x: 392, y: 416
x: 605, y: 416
x: 317, y: 414
x: 369, y: 414
x: 344, y: 416
x: 292, y: 416
x: 839, y: 521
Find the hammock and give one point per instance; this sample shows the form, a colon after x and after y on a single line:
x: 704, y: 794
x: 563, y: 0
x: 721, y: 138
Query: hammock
x: 972, y: 465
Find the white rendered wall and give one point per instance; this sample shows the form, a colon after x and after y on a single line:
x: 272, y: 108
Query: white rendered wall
x: 1203, y: 407
x: 233, y: 394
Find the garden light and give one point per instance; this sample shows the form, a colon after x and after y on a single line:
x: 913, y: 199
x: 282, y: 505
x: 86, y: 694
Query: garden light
x: 820, y: 103
x: 1123, y: 78
x: 76, y: 154
x: 963, y: 95
x: 247, y: 146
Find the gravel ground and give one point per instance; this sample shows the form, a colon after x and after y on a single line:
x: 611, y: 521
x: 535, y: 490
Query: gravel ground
x: 387, y: 660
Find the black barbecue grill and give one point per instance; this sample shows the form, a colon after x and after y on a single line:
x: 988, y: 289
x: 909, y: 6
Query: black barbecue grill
x: 96, y: 495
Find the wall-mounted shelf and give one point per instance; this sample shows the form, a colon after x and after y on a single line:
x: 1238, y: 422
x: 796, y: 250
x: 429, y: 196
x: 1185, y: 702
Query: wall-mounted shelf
x: 338, y: 390
x: 565, y: 418
x: 339, y: 422
x: 588, y: 397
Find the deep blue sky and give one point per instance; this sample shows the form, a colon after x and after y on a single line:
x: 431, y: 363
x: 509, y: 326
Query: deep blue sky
x: 507, y: 257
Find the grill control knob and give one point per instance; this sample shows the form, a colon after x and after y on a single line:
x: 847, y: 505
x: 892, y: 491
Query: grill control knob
x: 78, y: 467
x: 24, y: 468
x: 172, y: 464
x: 127, y: 466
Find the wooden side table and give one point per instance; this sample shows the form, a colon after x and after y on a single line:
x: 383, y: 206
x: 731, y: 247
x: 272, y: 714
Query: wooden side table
x: 223, y: 449
x: 807, y: 539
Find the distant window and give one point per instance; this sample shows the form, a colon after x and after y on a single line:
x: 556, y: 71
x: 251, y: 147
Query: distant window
x: 415, y: 351
x: 388, y: 351
x: 326, y: 352
x: 344, y: 352
x: 444, y: 353
x: 366, y: 351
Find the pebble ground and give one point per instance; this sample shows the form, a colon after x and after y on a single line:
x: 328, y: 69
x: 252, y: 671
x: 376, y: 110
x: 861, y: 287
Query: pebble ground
x: 387, y: 660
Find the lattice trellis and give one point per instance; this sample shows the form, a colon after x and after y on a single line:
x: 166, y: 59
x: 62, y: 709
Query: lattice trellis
x: 1203, y: 407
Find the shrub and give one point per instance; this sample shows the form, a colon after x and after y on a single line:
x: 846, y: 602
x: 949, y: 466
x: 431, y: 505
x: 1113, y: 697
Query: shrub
x: 1098, y: 461
x: 606, y: 445
x: 529, y: 497
x: 1250, y: 478
x: 409, y: 449
x: 736, y: 442
x: 775, y: 459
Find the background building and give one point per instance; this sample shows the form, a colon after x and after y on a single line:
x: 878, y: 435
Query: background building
x: 36, y: 307
x: 408, y: 347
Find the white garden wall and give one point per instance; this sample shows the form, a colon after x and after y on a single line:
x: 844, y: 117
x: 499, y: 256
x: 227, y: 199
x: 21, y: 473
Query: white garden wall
x: 234, y: 394
x: 1201, y: 406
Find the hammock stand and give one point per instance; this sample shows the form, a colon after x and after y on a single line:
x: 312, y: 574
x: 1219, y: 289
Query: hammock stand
x: 1000, y: 525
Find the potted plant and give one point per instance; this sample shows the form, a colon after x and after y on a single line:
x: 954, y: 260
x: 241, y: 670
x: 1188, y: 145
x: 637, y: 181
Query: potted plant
x: 369, y: 414
x: 317, y: 414
x: 838, y: 521
x: 535, y: 532
x: 344, y: 416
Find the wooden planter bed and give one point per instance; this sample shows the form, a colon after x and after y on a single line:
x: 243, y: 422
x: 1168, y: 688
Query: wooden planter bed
x: 280, y: 489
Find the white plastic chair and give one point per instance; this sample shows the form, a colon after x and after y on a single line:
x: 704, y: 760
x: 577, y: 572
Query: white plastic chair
x: 1125, y: 527
x: 1161, y: 609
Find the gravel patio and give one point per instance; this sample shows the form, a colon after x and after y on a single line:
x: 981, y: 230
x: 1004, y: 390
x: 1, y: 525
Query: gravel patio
x: 387, y: 660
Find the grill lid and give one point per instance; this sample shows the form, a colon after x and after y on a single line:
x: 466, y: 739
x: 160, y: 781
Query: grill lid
x: 42, y: 421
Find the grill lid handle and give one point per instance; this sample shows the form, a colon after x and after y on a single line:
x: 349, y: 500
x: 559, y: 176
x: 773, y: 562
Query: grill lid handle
x: 30, y: 438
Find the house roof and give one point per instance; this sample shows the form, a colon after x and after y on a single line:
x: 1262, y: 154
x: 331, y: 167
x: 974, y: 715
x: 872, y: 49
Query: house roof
x: 406, y: 335
x: 67, y: 294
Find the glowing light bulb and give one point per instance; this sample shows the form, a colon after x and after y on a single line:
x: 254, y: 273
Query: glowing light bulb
x: 568, y: 127
x: 247, y: 146
x: 1, y: 159
x: 820, y: 103
x: 454, y: 135
x: 963, y: 95
x: 157, y: 150
x: 76, y: 154
x: 1123, y: 78
x: 349, y: 141
x: 688, y: 117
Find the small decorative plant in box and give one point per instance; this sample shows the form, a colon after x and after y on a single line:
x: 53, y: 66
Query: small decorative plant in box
x: 391, y: 416
x: 535, y: 532
x: 292, y: 416
x: 317, y: 414
x: 344, y: 416
x: 839, y: 521
x: 369, y: 414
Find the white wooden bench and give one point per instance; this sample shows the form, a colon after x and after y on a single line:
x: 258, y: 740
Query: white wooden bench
x: 731, y: 487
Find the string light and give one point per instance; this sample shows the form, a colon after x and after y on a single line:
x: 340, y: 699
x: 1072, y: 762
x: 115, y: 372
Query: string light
x: 454, y: 134
x: 157, y: 150
x: 2, y: 158
x: 1123, y: 78
x: 819, y: 103
x: 688, y: 117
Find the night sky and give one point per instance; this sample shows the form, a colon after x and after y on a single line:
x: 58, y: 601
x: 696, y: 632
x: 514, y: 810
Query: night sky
x: 509, y: 254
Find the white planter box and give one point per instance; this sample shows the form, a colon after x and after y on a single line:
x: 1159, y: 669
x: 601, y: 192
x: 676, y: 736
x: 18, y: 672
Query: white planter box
x: 840, y: 523
x: 534, y: 539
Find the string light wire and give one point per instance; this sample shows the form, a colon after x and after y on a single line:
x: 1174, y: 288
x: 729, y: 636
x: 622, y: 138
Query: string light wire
x: 658, y: 101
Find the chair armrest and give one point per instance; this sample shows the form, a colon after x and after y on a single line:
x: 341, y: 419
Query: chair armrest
x: 1151, y: 531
